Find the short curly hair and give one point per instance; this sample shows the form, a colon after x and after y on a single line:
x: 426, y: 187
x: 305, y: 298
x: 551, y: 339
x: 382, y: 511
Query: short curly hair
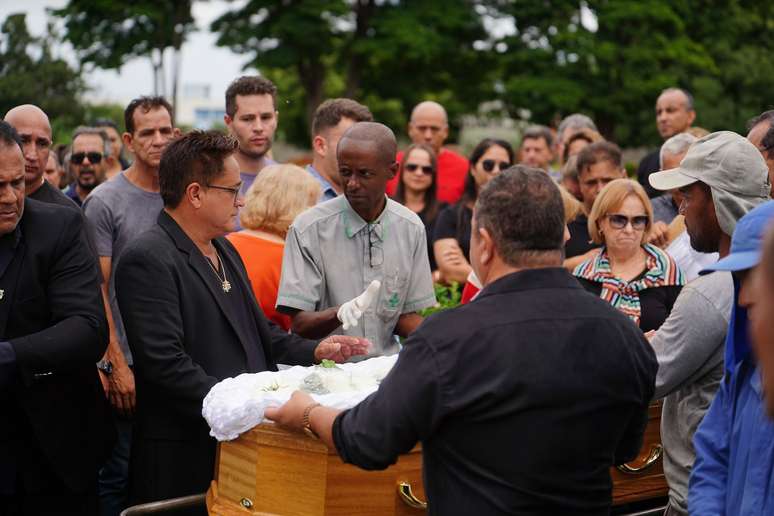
x: 249, y: 85
x: 197, y: 157
x: 278, y: 194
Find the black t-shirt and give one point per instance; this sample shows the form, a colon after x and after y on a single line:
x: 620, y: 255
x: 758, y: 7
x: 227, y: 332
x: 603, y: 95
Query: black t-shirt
x: 454, y: 222
x: 580, y: 241
x: 649, y: 164
x: 429, y: 230
x: 655, y: 303
x: 237, y: 303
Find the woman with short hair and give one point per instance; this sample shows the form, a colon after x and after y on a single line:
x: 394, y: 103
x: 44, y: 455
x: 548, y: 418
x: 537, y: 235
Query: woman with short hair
x: 278, y: 195
x: 637, y: 278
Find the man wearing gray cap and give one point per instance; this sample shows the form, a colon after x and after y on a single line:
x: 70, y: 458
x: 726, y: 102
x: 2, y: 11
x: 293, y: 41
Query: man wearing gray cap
x: 721, y: 178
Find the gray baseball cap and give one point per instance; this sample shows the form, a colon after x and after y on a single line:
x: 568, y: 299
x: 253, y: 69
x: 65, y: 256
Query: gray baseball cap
x: 733, y: 169
x: 723, y: 160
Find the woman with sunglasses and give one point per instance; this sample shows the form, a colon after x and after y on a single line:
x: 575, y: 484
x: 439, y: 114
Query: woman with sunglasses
x: 417, y: 187
x: 451, y: 237
x: 637, y: 278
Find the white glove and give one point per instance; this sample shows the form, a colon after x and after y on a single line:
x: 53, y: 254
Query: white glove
x: 351, y: 311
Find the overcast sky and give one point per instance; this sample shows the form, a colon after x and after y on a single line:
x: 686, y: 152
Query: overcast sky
x: 202, y: 61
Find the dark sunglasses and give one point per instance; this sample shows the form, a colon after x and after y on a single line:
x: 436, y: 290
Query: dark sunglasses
x: 94, y: 157
x: 638, y: 222
x: 489, y: 165
x: 413, y: 167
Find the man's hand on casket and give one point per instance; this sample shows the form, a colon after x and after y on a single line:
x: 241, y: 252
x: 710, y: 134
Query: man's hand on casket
x: 291, y: 416
x: 340, y: 347
x: 351, y: 311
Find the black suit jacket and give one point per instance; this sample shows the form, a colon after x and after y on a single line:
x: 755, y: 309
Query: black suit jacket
x: 51, y: 312
x: 184, y: 341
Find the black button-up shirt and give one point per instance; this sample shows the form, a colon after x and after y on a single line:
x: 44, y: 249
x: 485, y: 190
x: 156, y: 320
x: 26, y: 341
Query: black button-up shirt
x: 522, y: 400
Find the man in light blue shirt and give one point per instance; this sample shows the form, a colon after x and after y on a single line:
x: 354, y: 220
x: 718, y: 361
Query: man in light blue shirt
x: 331, y: 119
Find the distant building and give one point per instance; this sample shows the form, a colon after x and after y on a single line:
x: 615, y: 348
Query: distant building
x: 196, y: 108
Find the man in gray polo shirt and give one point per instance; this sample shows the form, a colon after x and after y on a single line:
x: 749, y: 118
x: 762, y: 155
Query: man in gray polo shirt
x: 336, y: 250
x: 721, y: 178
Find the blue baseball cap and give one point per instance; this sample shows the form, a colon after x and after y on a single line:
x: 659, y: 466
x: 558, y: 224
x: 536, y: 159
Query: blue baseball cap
x: 747, y: 240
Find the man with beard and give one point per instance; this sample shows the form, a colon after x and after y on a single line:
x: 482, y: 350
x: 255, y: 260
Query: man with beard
x: 34, y: 128
x: 721, y: 178
x: 119, y: 211
x: 88, y: 162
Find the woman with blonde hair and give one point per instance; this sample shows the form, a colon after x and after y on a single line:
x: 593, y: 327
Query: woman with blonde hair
x: 278, y: 195
x: 637, y: 278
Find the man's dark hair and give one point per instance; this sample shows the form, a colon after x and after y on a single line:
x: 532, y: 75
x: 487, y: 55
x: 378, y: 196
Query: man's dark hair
x: 249, y: 85
x: 197, y: 157
x: 105, y: 122
x: 536, y: 132
x: 522, y: 210
x: 597, y: 153
x: 330, y: 113
x: 8, y: 135
x: 767, y: 142
x: 146, y: 104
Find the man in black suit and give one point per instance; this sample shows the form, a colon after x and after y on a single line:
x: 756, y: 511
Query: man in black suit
x: 192, y: 319
x: 52, y: 331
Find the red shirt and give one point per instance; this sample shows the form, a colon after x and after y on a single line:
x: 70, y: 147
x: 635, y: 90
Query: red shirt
x: 452, y: 171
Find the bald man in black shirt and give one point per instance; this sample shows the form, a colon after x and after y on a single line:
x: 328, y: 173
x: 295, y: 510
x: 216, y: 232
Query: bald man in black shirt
x: 522, y: 399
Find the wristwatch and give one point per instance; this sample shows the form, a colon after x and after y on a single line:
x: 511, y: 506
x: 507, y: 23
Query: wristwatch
x: 306, y: 423
x: 106, y: 366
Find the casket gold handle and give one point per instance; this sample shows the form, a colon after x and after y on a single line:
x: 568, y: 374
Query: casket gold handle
x: 404, y: 490
x: 655, y: 454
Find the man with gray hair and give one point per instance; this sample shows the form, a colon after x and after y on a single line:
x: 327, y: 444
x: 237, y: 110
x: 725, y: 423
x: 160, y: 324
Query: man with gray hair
x: 569, y: 126
x: 667, y: 206
x: 674, y: 114
x: 453, y: 388
x: 88, y: 163
x: 762, y: 136
x: 721, y: 178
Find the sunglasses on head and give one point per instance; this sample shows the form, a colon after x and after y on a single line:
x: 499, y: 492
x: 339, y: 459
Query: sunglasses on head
x: 638, y: 222
x: 413, y: 167
x: 489, y: 165
x: 78, y: 157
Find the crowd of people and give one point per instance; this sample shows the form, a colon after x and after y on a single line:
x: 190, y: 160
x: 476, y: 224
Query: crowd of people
x: 129, y: 288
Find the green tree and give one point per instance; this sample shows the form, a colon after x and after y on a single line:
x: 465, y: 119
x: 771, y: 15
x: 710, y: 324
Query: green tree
x: 30, y: 73
x: 108, y: 34
x: 388, y: 55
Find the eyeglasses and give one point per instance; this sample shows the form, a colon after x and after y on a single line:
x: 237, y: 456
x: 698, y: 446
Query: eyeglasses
x: 94, y: 157
x: 375, y: 251
x: 638, y: 222
x: 234, y: 191
x: 413, y: 167
x: 489, y: 165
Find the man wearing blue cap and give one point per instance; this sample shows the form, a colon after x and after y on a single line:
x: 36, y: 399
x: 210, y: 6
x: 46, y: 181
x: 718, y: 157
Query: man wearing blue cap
x: 721, y: 178
x: 735, y: 442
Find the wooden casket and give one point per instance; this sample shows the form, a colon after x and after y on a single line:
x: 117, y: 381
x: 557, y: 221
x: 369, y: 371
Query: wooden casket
x: 643, y: 478
x: 270, y: 471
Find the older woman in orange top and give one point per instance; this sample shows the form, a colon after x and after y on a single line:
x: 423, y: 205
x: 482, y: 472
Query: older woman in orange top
x: 279, y: 193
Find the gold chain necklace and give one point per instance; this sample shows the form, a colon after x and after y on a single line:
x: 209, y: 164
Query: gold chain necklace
x: 224, y: 283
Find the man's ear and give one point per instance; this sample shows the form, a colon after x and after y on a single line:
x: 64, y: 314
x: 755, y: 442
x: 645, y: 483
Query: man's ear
x: 487, y: 246
x: 227, y: 120
x: 176, y: 132
x: 393, y: 169
x: 127, y: 139
x: 193, y: 194
x: 320, y: 145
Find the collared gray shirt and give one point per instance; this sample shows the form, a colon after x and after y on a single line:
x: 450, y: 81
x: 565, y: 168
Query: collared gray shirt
x: 332, y: 255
